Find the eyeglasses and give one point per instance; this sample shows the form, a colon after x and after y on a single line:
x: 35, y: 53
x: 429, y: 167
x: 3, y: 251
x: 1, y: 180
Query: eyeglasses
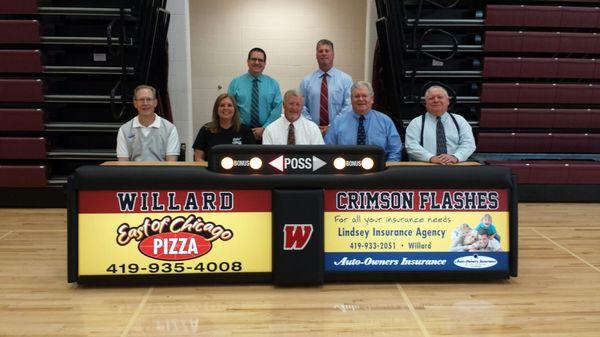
x: 256, y: 59
x: 145, y: 99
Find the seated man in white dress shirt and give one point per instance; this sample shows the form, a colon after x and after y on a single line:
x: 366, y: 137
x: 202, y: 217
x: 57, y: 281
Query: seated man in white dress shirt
x: 438, y: 136
x: 292, y: 128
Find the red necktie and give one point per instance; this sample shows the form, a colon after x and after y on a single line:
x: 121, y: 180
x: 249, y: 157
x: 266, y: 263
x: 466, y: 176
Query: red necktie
x: 324, y: 107
x: 291, y: 135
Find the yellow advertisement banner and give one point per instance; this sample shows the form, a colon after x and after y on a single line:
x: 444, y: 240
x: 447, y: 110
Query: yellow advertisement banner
x: 416, y: 231
x: 178, y: 243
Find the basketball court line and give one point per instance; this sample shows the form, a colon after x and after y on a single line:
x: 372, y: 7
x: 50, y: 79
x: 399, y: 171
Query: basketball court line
x: 5, y: 235
x: 566, y: 250
x: 413, y: 311
x: 137, y: 312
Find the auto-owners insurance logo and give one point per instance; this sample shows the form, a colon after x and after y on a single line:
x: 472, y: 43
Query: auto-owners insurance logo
x: 173, y: 239
x: 475, y: 261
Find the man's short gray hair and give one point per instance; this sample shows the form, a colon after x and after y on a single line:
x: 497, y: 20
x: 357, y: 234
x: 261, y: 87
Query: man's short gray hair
x: 291, y: 92
x: 144, y: 86
x: 436, y: 87
x: 362, y: 84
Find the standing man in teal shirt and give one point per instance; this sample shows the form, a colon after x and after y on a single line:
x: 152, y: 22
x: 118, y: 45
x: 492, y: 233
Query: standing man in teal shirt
x: 258, y: 96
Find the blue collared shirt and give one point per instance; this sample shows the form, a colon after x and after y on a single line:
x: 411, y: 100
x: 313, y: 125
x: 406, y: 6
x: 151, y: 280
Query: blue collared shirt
x: 338, y: 86
x: 269, y: 98
x: 379, y: 128
x: 459, y: 145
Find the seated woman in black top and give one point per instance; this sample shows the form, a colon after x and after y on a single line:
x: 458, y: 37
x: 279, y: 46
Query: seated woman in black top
x: 225, y: 128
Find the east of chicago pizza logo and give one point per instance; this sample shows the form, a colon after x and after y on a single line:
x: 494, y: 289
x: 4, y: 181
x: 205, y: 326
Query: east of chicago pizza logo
x: 173, y: 239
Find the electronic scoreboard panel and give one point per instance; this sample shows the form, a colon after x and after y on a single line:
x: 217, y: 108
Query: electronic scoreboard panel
x: 295, y: 219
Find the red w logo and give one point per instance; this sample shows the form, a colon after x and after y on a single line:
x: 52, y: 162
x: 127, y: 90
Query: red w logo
x: 295, y: 237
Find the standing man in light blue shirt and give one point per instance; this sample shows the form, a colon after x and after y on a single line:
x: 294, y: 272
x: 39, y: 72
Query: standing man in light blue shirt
x: 365, y: 126
x: 438, y: 136
x: 326, y: 90
x: 258, y: 96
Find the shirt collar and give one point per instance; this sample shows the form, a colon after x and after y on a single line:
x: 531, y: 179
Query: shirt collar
x: 321, y: 72
x: 155, y: 124
x: 259, y: 77
x: 442, y: 117
x: 287, y: 122
x: 357, y: 116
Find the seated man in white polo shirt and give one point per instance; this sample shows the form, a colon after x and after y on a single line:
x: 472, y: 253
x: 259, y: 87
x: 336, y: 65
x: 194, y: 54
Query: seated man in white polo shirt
x: 147, y: 137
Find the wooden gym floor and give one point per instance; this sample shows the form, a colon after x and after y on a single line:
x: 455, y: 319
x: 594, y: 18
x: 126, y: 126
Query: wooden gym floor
x: 557, y: 292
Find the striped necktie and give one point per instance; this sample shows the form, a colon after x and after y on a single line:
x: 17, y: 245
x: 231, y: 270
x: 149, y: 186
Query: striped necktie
x: 255, y: 119
x: 361, y: 135
x: 440, y: 137
x: 291, y: 135
x: 324, y: 102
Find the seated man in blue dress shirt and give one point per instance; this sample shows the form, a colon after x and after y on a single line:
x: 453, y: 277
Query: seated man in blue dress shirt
x: 258, y: 96
x: 365, y: 126
x: 326, y: 90
x: 444, y: 138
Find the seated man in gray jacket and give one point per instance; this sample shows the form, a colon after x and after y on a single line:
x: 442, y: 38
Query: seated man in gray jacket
x: 147, y: 137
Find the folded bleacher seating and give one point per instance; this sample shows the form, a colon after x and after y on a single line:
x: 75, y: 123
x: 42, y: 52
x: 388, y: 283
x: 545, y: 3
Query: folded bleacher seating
x: 67, y: 71
x: 529, y: 67
x: 525, y: 74
x: 553, y: 172
x: 538, y: 142
x: 542, y: 16
x: 21, y: 90
x: 19, y: 31
x: 546, y: 93
x: 21, y: 119
x: 23, y: 176
x: 19, y: 7
x: 20, y: 61
x: 542, y: 42
x: 532, y: 118
x: 22, y: 148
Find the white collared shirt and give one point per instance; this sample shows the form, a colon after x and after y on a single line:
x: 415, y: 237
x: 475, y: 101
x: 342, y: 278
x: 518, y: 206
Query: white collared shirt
x: 461, y: 145
x: 305, y: 132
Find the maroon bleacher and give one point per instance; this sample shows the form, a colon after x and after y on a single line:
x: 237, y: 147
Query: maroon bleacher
x: 21, y: 120
x: 20, y: 61
x: 19, y: 6
x: 547, y: 93
x: 542, y: 16
x: 542, y: 42
x: 528, y: 67
x: 21, y: 90
x: 540, y: 118
x: 553, y: 172
x: 23, y: 176
x: 513, y: 142
x: 22, y: 148
x: 19, y: 31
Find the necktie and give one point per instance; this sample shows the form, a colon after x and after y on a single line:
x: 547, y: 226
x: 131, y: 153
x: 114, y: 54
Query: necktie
x: 361, y: 135
x: 440, y: 137
x: 324, y: 103
x: 291, y: 135
x: 254, y: 118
